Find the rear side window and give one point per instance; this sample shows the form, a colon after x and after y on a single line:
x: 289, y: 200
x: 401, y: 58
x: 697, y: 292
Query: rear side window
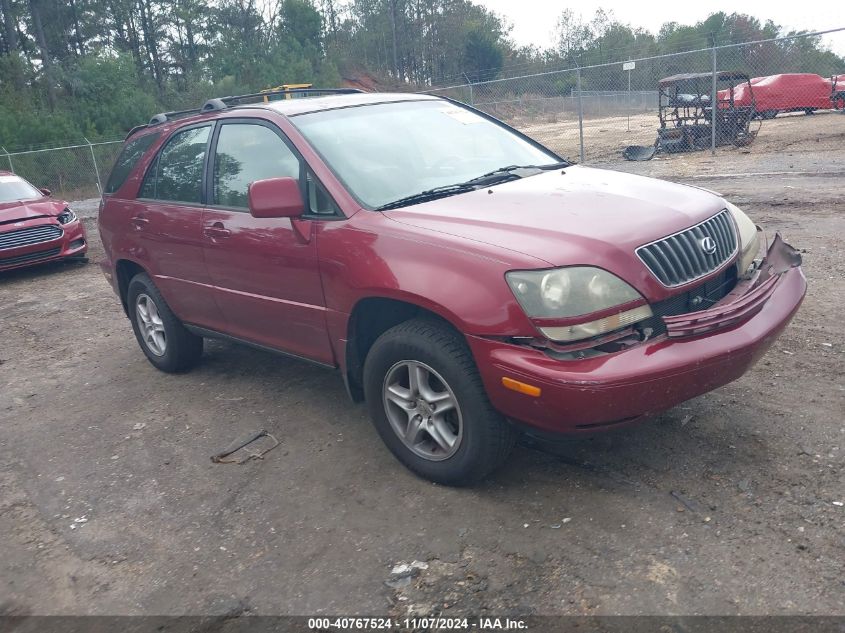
x: 176, y: 174
x: 245, y: 153
x: 126, y: 161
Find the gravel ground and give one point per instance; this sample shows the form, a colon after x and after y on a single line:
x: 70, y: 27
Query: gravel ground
x: 109, y: 504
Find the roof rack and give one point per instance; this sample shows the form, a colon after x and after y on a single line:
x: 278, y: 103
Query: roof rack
x: 222, y: 103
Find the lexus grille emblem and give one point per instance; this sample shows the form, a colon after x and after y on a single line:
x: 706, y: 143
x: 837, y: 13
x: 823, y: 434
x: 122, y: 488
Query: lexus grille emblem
x: 708, y: 245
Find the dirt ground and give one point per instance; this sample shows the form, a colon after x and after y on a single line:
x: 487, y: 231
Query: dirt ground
x: 728, y: 504
x: 817, y: 138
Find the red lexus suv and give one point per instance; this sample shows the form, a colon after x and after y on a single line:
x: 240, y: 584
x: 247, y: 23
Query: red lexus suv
x: 35, y: 227
x: 467, y: 282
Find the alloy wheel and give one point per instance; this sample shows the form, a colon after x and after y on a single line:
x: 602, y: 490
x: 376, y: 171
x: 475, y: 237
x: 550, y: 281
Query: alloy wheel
x: 150, y: 324
x: 422, y: 410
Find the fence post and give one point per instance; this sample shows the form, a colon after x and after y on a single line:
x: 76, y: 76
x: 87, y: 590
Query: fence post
x: 469, y: 85
x: 714, y: 105
x: 96, y: 169
x: 9, y: 158
x: 580, y: 114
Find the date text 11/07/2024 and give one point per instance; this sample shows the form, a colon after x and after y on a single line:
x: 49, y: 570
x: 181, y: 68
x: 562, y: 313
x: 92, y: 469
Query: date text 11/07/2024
x: 420, y: 623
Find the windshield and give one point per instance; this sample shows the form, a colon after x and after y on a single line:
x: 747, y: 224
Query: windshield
x: 389, y: 151
x: 15, y: 188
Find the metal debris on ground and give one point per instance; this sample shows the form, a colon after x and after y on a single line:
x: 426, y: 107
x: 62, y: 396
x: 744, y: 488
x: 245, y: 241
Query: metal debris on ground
x: 689, y: 504
x: 402, y: 573
x: 223, y: 456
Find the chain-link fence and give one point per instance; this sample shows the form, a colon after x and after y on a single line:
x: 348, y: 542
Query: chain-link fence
x: 73, y: 172
x: 662, y: 104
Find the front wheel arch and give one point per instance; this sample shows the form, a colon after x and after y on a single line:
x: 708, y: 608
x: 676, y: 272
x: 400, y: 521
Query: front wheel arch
x: 370, y: 318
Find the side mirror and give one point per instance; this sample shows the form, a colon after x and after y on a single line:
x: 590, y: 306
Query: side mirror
x: 46, y: 191
x: 275, y: 198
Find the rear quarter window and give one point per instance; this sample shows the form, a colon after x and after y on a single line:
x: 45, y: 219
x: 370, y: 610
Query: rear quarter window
x: 126, y: 161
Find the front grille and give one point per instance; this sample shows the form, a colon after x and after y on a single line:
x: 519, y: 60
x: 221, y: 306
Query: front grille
x: 698, y: 298
x: 681, y: 258
x: 31, y: 235
x: 29, y: 257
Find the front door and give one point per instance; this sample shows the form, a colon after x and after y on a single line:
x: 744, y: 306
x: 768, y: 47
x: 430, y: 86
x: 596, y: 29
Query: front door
x: 265, y: 271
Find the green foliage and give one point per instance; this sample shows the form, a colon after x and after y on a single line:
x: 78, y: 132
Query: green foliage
x: 482, y: 54
x: 96, y: 68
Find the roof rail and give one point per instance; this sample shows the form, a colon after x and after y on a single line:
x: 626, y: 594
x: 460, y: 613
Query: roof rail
x: 137, y: 128
x: 222, y: 103
x: 163, y: 117
x: 289, y: 91
x: 213, y: 104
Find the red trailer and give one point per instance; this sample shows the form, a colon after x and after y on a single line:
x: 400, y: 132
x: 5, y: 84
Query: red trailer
x: 784, y: 93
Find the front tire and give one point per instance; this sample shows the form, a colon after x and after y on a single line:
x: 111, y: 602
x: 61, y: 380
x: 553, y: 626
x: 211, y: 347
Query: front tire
x: 161, y: 336
x: 428, y: 404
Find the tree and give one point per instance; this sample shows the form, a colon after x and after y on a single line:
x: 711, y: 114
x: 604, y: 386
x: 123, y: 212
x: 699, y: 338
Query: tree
x: 98, y: 67
x: 482, y: 55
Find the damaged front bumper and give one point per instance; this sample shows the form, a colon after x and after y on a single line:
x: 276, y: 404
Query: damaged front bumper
x: 746, y: 299
x: 699, y: 352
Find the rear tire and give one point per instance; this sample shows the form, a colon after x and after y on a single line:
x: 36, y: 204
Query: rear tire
x: 161, y: 336
x: 449, y: 404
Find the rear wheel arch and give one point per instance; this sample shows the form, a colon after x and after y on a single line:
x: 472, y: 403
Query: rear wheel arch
x: 370, y: 318
x: 126, y: 269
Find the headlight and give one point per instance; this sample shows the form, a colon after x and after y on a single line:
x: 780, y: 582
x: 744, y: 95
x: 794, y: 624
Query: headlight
x: 564, y: 293
x: 67, y: 216
x: 749, y: 238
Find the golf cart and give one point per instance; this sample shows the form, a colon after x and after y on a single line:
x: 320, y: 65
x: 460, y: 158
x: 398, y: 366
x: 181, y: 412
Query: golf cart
x: 837, y: 92
x: 686, y: 114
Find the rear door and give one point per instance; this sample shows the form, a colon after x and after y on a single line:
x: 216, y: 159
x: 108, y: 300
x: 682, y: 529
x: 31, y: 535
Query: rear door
x: 265, y: 271
x: 166, y: 220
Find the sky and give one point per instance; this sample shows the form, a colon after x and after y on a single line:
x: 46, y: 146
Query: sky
x: 534, y: 20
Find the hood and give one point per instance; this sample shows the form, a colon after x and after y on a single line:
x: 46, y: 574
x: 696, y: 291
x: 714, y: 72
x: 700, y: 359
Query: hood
x: 577, y: 215
x: 28, y: 209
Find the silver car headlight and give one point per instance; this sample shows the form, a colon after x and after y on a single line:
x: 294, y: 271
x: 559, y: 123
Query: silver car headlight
x: 749, y: 238
x: 564, y: 293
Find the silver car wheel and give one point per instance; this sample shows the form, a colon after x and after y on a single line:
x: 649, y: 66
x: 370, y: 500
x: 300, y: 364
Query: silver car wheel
x: 422, y: 410
x: 150, y: 324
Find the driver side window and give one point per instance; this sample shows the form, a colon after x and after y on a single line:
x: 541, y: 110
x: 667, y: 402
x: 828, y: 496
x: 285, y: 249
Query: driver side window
x: 247, y: 152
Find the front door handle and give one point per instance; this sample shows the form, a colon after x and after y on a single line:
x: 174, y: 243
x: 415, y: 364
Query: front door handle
x: 217, y: 231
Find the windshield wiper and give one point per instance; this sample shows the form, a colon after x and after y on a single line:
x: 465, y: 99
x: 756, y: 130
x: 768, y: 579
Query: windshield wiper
x: 511, y: 172
x: 428, y: 194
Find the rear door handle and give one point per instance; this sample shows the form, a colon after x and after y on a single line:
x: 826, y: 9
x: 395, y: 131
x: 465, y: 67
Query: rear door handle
x: 139, y: 222
x: 217, y: 231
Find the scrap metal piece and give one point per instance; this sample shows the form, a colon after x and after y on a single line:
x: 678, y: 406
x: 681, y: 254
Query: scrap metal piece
x: 640, y: 152
x: 779, y: 258
x: 221, y: 457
